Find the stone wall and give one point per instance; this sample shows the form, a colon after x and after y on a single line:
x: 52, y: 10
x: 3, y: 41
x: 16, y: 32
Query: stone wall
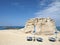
x: 40, y: 25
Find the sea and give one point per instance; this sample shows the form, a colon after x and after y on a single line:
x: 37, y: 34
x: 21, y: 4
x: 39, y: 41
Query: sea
x: 19, y: 27
x: 11, y: 27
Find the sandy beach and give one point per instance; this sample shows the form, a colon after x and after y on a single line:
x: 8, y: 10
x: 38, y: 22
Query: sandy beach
x: 29, y: 22
x: 18, y: 37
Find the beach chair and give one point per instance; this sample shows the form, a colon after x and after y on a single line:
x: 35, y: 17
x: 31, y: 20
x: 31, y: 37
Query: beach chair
x: 52, y: 39
x: 39, y: 39
x: 29, y: 38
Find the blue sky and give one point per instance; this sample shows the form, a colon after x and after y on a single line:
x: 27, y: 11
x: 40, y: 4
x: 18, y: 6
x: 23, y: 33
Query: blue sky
x: 17, y: 12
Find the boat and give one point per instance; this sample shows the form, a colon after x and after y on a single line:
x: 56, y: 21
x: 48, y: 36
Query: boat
x: 52, y: 39
x: 29, y: 38
x: 39, y: 39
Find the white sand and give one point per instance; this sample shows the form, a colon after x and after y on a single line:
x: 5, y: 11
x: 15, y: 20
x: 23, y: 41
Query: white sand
x: 17, y: 37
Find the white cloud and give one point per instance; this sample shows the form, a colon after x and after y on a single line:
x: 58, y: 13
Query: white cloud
x: 53, y: 11
x: 42, y: 2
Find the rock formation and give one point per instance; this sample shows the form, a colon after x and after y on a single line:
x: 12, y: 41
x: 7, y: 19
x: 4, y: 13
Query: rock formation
x: 40, y: 25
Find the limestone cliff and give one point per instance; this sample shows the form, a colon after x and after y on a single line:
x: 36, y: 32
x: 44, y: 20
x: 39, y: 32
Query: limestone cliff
x: 40, y: 25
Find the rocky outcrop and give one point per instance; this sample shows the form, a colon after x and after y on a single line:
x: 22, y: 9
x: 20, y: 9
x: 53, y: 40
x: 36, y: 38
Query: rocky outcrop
x: 40, y: 25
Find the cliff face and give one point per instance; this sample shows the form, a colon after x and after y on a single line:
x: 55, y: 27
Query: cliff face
x: 40, y: 25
